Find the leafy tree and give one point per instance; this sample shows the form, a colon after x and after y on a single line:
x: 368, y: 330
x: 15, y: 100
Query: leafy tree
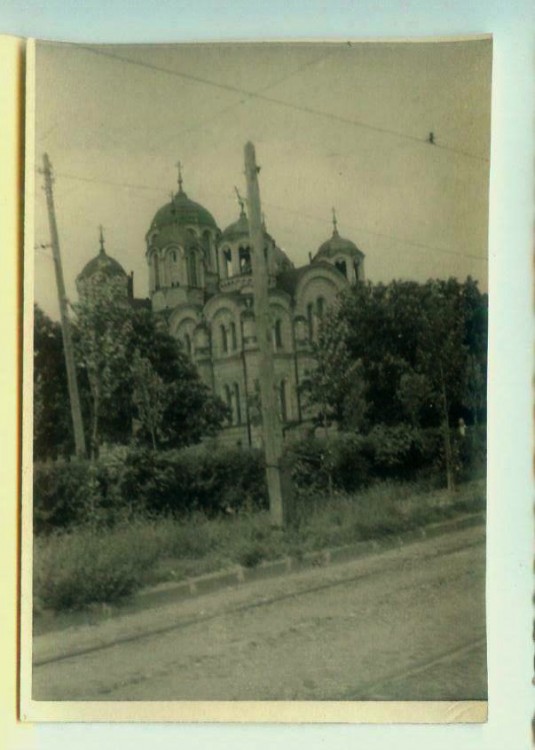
x: 336, y: 384
x: 420, y: 354
x: 104, y: 328
x: 136, y: 370
x: 187, y: 409
x: 159, y: 386
x: 52, y: 423
x: 149, y: 394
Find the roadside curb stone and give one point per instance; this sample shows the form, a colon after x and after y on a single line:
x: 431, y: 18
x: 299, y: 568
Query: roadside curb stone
x: 171, y: 592
x: 272, y: 568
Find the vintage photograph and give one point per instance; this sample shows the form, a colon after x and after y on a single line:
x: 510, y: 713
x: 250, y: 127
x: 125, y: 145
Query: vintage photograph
x: 259, y: 373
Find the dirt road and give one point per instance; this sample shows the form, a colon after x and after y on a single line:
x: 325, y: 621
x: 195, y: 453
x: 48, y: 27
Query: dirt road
x: 407, y: 624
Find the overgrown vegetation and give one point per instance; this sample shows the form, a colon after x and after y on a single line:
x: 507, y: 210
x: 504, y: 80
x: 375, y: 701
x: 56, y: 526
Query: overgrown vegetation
x: 404, y: 355
x: 85, y: 565
x: 136, y: 385
x: 129, y: 481
x: 401, y: 371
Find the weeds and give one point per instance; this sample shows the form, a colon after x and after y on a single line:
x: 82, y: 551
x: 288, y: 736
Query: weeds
x: 75, y: 568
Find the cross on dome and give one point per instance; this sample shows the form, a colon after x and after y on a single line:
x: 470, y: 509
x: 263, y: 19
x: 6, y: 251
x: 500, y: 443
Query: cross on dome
x: 335, y: 222
x: 178, y: 165
x: 240, y: 201
x: 101, y: 239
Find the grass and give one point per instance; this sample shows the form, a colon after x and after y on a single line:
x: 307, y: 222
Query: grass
x: 86, y: 565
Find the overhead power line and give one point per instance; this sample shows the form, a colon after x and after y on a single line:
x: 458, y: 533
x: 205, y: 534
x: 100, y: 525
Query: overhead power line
x: 308, y: 217
x: 280, y: 102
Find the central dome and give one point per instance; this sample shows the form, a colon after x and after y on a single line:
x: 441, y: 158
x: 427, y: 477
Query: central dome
x: 182, y: 211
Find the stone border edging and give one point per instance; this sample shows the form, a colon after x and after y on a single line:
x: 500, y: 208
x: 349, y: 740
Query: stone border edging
x: 205, y: 584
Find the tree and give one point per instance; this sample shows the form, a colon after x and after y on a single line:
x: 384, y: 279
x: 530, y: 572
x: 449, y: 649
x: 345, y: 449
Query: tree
x: 419, y: 350
x: 150, y: 395
x: 187, y: 410
x: 52, y: 423
x: 104, y: 328
x: 336, y: 385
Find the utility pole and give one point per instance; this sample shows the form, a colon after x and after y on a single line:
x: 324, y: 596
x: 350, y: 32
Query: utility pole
x: 74, y: 396
x: 278, y: 483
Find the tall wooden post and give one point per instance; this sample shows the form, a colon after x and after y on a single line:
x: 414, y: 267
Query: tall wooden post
x: 271, y: 423
x: 74, y: 396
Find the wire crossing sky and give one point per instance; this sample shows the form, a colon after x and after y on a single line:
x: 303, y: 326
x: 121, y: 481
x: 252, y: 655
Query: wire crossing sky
x: 394, y: 135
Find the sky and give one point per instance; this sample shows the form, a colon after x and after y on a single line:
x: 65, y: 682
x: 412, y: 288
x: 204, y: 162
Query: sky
x: 334, y: 125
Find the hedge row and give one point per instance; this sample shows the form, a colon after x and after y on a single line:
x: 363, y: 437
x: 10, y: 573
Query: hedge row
x: 227, y: 480
x: 128, y: 482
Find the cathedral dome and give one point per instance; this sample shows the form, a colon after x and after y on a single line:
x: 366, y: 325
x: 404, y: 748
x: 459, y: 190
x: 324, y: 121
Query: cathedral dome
x: 182, y: 211
x: 237, y: 229
x: 103, y: 264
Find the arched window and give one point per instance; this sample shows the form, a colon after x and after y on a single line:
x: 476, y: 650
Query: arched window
x: 192, y: 268
x: 283, y: 401
x: 233, y: 340
x: 224, y: 339
x: 187, y: 343
x: 310, y: 320
x: 228, y: 401
x: 277, y: 335
x: 156, y: 271
x: 237, y: 405
x: 341, y: 266
x: 244, y: 260
x: 206, y: 245
x: 320, y: 307
x: 227, y: 263
x: 173, y: 255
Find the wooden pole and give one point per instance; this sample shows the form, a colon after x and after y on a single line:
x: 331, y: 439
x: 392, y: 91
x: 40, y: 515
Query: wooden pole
x: 74, y: 396
x: 271, y: 423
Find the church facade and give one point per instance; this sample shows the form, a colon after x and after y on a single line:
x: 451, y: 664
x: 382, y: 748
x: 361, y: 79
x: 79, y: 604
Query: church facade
x: 200, y: 282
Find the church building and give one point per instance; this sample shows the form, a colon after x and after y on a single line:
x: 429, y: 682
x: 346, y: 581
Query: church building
x: 200, y: 282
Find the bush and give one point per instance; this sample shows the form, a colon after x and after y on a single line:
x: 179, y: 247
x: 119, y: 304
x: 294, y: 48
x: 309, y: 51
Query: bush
x: 227, y: 480
x: 340, y: 461
x: 130, y: 482
x: 60, y: 493
x: 396, y: 451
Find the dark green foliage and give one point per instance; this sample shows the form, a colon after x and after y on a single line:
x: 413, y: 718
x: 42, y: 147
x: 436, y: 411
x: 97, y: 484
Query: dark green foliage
x: 412, y: 341
x: 404, y: 355
x: 342, y: 460
x: 60, y: 492
x: 224, y: 480
x: 53, y: 432
x: 186, y: 413
x: 140, y: 481
x: 190, y: 412
x: 349, y: 461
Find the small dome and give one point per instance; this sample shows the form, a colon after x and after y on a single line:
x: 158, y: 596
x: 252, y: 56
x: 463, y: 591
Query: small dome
x: 182, y: 211
x: 237, y: 229
x: 336, y: 244
x: 102, y: 264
